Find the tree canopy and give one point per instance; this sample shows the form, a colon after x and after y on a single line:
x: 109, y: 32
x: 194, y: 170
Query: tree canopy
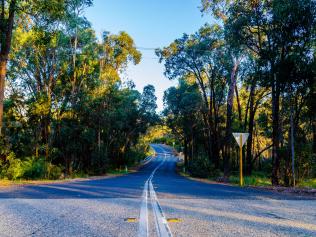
x: 67, y: 109
x: 254, y: 72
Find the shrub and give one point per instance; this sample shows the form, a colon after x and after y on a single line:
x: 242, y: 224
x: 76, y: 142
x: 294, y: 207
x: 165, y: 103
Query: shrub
x: 310, y: 183
x: 201, y: 168
x: 14, y: 169
x: 134, y: 155
x: 34, y: 168
x: 255, y: 180
x: 29, y: 168
x: 53, y: 171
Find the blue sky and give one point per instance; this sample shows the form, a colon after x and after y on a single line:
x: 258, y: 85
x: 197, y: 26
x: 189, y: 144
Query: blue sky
x: 152, y: 24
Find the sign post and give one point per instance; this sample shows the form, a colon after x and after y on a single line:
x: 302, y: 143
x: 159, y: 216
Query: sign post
x: 241, y: 138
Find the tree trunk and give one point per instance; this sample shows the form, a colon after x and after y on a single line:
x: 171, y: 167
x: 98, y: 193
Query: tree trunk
x: 207, y: 116
x: 3, y: 68
x: 216, y: 135
x: 216, y: 151
x: 238, y: 104
x: 99, y: 138
x: 292, y: 147
x: 228, y: 135
x: 314, y: 136
x: 208, y: 146
x: 185, y: 153
x: 249, y: 162
x: 275, y: 133
x: 192, y: 148
x: 5, y: 39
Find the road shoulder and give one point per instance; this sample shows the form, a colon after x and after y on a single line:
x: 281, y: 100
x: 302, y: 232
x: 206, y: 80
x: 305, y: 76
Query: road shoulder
x: 289, y: 191
x: 4, y: 183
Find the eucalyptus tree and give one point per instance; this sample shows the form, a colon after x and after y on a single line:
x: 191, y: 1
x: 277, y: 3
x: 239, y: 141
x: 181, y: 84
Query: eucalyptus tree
x: 8, y: 10
x: 116, y: 52
x: 200, y: 56
x: 39, y: 63
x: 183, y: 106
x: 11, y: 11
x: 148, y: 106
x: 277, y: 31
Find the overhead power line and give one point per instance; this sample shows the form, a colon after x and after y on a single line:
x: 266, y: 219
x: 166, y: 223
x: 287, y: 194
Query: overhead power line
x: 146, y: 48
x: 188, y: 50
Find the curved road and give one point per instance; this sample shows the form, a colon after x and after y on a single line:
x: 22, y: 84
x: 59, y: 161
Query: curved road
x: 154, y: 201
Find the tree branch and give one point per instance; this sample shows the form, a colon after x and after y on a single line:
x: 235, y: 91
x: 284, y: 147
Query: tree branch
x: 259, y: 154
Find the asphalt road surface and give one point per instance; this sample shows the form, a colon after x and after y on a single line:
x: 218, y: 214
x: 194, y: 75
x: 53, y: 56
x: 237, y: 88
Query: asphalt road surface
x: 154, y: 201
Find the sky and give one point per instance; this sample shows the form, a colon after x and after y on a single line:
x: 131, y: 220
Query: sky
x: 152, y: 24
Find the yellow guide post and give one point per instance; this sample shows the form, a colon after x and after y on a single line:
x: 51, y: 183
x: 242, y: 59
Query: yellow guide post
x: 241, y: 138
x: 241, y: 179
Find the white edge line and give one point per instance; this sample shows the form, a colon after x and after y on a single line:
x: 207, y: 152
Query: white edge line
x: 143, y: 219
x: 162, y: 226
x: 160, y: 219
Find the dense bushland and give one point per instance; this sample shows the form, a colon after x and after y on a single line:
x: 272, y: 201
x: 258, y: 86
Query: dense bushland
x: 66, y: 108
x: 252, y: 71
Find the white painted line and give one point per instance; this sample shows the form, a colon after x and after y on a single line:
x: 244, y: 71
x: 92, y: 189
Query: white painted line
x: 160, y: 220
x: 147, y: 160
x: 162, y: 227
x: 143, y: 220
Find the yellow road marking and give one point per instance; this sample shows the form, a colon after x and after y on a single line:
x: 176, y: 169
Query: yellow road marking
x: 174, y: 220
x: 130, y: 220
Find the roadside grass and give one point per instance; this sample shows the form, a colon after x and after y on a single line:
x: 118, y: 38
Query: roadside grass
x: 118, y: 172
x: 309, y: 183
x: 259, y: 179
x: 256, y: 179
x: 253, y: 180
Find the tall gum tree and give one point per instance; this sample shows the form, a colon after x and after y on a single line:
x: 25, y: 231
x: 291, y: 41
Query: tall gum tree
x: 275, y: 31
x: 8, y: 10
x: 200, y: 56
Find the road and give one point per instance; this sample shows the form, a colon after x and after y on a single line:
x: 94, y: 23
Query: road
x: 154, y: 201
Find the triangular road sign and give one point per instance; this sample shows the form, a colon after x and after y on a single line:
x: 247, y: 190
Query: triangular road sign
x: 244, y: 137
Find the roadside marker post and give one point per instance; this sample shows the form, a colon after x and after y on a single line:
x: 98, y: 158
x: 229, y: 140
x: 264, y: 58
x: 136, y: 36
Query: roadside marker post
x: 241, y: 138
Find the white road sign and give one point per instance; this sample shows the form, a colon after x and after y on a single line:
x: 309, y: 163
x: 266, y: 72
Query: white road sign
x: 244, y: 138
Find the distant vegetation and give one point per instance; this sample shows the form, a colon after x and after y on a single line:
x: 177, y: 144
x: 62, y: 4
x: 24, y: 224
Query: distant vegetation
x: 252, y: 71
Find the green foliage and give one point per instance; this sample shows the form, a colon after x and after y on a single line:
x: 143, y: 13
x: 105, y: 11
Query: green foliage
x: 118, y: 50
x: 201, y: 167
x: 67, y: 102
x: 53, y: 171
x: 29, y: 168
x: 135, y: 155
x: 14, y: 169
x: 182, y: 105
x: 254, y: 180
x: 308, y: 183
x: 34, y: 168
x: 267, y: 47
